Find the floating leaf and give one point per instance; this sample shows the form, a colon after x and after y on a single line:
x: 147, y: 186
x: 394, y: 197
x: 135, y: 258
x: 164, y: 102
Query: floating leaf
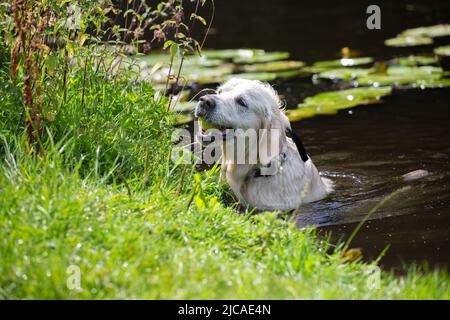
x: 344, y: 62
x: 413, y: 71
x: 402, y: 75
x: 230, y: 54
x: 416, y: 61
x: 343, y: 73
x: 424, y: 76
x: 268, y: 76
x: 333, y: 101
x: 207, y: 75
x: 408, y: 41
x: 443, y: 51
x: 293, y: 73
x: 164, y: 59
x: 419, y: 36
x: 214, y: 66
x: 205, y: 62
x: 191, y: 74
x: 439, y: 30
x: 432, y: 83
x: 273, y: 66
x: 245, y: 55
x: 261, y: 76
x: 263, y: 56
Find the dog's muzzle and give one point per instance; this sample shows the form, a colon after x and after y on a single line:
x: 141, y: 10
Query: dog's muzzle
x: 206, y: 105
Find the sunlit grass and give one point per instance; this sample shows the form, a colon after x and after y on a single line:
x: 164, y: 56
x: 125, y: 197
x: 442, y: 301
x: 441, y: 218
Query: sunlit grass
x: 150, y: 245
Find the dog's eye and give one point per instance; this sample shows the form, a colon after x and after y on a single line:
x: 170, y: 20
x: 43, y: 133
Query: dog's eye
x: 241, y: 102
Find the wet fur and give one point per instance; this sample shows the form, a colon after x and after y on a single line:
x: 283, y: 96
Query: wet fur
x: 296, y: 182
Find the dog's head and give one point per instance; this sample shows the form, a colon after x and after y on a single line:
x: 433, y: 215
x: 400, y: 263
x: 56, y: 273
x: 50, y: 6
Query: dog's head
x: 246, y: 105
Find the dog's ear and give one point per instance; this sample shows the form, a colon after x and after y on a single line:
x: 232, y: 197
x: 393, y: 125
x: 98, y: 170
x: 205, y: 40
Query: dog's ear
x: 272, y: 137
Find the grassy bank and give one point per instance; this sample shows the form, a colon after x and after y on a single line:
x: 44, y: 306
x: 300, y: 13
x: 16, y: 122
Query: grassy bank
x: 106, y: 200
x: 93, y: 206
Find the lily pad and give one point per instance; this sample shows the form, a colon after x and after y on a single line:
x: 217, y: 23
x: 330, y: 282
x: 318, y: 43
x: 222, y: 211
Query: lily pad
x: 293, y: 73
x: 205, y: 62
x: 261, y: 76
x: 207, y: 75
x: 419, y: 36
x: 402, y: 75
x: 155, y: 68
x: 333, y: 101
x: 214, y: 66
x: 231, y: 54
x: 190, y: 74
x: 413, y: 71
x: 413, y: 61
x: 443, y: 51
x: 393, y: 75
x: 439, y: 30
x: 344, y: 62
x: 408, y: 41
x: 189, y: 60
x: 432, y: 83
x: 273, y: 66
x: 343, y: 73
x: 259, y: 57
x: 269, y: 76
x: 245, y: 55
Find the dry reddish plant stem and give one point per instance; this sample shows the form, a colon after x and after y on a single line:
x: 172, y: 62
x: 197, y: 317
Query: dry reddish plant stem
x: 29, y: 41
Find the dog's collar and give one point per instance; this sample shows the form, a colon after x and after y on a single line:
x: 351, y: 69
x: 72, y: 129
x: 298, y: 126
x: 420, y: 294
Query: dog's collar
x: 281, y: 159
x: 282, y: 156
x: 298, y: 142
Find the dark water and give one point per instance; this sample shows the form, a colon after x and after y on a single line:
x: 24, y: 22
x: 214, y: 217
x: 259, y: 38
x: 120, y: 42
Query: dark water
x: 317, y: 30
x: 364, y: 150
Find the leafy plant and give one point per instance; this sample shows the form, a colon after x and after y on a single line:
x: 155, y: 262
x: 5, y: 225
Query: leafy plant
x: 49, y: 41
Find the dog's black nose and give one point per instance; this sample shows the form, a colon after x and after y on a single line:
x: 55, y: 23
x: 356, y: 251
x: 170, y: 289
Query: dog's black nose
x: 207, y: 102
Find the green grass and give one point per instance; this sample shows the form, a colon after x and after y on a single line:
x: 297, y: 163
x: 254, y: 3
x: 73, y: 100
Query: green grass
x: 107, y: 199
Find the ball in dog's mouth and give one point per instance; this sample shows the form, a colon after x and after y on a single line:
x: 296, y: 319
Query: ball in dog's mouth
x: 206, y: 125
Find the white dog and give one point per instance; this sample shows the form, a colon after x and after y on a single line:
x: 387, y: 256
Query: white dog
x: 282, y: 177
